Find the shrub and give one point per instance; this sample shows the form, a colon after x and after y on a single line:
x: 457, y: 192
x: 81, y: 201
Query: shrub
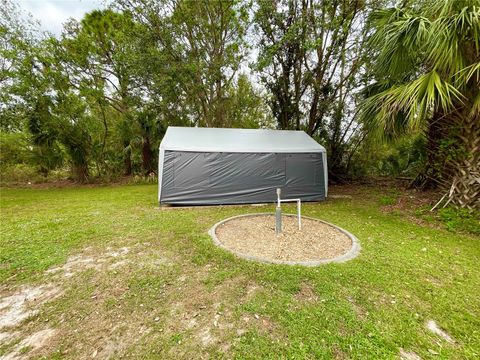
x: 26, y: 173
x: 460, y: 219
x: 388, y: 200
x: 14, y: 149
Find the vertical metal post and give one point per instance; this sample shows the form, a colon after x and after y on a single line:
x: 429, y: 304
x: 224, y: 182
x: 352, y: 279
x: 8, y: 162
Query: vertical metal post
x: 299, y: 213
x: 278, y: 214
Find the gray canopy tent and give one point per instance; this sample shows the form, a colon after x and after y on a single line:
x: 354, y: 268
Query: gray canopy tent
x: 203, y: 166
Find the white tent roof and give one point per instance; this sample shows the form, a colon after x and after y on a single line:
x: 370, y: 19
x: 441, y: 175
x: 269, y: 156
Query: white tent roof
x: 238, y: 140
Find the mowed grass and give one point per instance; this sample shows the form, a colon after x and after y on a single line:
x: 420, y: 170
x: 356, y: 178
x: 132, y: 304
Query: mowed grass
x: 178, y: 296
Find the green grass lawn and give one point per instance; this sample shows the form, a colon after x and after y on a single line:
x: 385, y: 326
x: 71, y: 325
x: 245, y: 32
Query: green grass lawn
x: 139, y: 282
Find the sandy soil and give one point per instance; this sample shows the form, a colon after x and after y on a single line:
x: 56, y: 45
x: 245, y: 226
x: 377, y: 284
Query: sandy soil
x: 19, y: 305
x: 255, y: 236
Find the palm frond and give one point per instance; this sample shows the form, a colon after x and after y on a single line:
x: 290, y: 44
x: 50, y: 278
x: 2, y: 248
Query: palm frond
x: 399, y: 36
x: 475, y: 111
x: 416, y: 100
x: 467, y: 73
x: 451, y: 34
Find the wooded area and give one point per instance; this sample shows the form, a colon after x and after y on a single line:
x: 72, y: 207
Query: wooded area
x: 390, y: 89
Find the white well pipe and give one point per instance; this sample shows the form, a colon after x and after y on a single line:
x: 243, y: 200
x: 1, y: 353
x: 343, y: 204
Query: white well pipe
x: 278, y: 211
x: 299, y: 212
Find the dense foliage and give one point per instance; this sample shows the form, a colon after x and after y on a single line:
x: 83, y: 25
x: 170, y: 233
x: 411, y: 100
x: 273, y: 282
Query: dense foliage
x: 427, y: 71
x: 312, y: 61
x: 98, y: 98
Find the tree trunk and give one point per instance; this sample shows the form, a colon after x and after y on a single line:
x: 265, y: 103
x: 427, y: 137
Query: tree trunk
x: 431, y: 176
x: 127, y: 161
x: 436, y: 132
x: 81, y: 172
x: 147, y: 156
x: 463, y: 188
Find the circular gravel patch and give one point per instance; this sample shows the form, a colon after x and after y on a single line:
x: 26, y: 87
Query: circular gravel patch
x: 253, y: 237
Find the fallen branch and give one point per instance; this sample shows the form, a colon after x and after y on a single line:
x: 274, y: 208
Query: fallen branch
x: 439, y: 202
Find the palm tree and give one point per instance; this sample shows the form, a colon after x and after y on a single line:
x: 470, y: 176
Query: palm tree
x: 427, y: 64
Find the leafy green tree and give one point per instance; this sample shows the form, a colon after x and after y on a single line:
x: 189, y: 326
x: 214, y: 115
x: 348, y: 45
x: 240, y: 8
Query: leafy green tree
x: 212, y: 34
x: 312, y: 61
x: 33, y: 93
x: 427, y: 66
x: 57, y: 113
x: 17, y: 39
x: 199, y: 46
x: 246, y: 106
x: 98, y: 51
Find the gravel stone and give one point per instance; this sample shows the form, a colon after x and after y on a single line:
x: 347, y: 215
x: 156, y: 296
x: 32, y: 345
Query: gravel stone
x: 254, y: 237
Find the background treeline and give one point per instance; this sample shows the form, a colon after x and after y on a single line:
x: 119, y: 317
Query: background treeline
x: 387, y: 88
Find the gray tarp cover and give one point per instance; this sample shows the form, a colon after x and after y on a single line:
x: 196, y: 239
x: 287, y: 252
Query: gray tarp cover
x: 228, y: 166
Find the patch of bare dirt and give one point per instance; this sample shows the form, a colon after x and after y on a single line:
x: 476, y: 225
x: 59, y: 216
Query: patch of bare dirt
x: 113, y: 319
x: 345, y: 190
x: 24, y: 303
x: 8, y: 336
x: 116, y: 341
x: 434, y: 328
x: 255, y: 236
x: 408, y: 355
x: 18, y: 305
x: 33, y: 343
x: 338, y: 353
x: 69, y: 183
x: 251, y: 290
x: 359, y: 310
x: 204, y: 313
x: 410, y: 200
x: 340, y: 196
x: 207, y: 317
x: 434, y: 281
x: 306, y: 294
x: 407, y: 201
x: 111, y: 259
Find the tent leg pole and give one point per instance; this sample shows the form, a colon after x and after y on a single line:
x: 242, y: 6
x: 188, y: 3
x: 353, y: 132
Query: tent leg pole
x: 278, y: 220
x: 299, y: 212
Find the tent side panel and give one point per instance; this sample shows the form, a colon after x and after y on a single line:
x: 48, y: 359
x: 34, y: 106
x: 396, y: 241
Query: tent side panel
x: 161, y: 156
x: 233, y: 178
x: 325, y: 172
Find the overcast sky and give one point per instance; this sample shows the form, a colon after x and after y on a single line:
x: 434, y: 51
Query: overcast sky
x: 53, y: 13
